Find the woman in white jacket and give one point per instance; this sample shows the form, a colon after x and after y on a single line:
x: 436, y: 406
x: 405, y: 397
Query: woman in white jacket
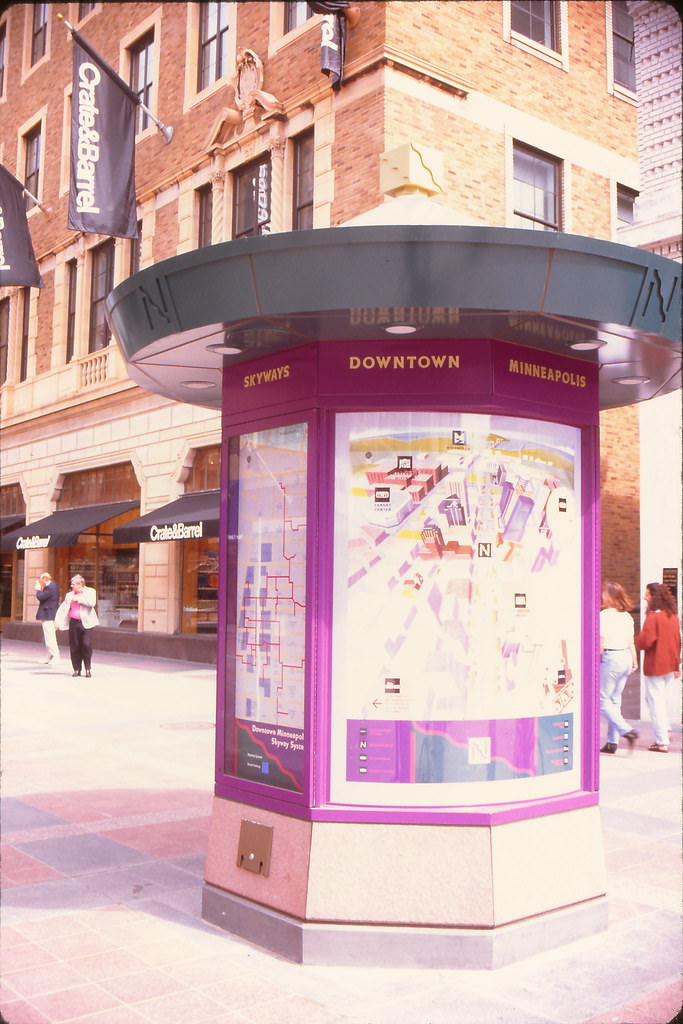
x: 617, y: 661
x: 77, y: 611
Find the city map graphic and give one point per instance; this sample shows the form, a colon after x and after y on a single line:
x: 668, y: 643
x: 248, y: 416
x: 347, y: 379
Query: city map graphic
x: 271, y: 601
x: 462, y: 594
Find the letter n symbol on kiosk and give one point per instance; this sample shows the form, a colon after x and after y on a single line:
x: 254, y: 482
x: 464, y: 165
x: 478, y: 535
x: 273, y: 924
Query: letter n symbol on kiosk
x: 479, y: 750
x: 159, y: 308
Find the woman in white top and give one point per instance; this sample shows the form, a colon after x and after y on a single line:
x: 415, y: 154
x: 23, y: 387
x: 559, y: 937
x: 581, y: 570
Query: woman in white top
x: 617, y: 660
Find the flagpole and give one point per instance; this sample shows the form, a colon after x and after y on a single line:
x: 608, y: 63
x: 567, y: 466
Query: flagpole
x: 166, y: 130
x: 38, y: 204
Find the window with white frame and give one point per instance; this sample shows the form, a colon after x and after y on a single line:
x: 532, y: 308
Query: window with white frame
x: 4, y: 338
x: 537, y: 200
x: 251, y: 199
x: 537, y: 20
x: 25, y: 329
x: 214, y: 38
x: 296, y: 13
x: 101, y: 283
x: 32, y: 144
x: 302, y: 212
x: 204, y: 196
x: 626, y: 205
x: 142, y: 76
x: 38, y: 33
x: 3, y: 56
x: 623, y: 55
x: 71, y: 282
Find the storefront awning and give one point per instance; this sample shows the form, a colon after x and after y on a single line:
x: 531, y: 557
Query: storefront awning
x: 63, y: 528
x: 189, y: 517
x: 12, y: 521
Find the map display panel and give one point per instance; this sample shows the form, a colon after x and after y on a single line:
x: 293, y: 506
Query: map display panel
x: 457, y: 608
x: 267, y: 666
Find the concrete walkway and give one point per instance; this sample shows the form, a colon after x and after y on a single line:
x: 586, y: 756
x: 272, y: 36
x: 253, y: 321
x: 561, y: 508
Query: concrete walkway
x: 106, y: 795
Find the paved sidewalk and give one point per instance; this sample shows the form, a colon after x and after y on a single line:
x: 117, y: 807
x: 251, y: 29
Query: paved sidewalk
x: 106, y: 793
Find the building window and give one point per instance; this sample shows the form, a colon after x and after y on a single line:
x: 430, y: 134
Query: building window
x: 100, y: 485
x: 84, y: 9
x: 200, y: 557
x: 302, y: 214
x: 536, y: 190
x: 535, y: 19
x: 4, y: 338
x: 626, y: 205
x: 251, y: 209
x: 205, y: 474
x: 622, y: 45
x: 141, y: 77
x: 204, y: 215
x: 38, y: 32
x: 113, y: 569
x: 32, y: 147
x: 214, y: 25
x: 71, y: 280
x: 296, y: 13
x: 135, y: 263
x: 3, y: 46
x: 25, y: 324
x: 101, y: 283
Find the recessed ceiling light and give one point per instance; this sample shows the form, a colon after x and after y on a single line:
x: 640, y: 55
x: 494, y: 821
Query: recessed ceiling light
x: 586, y: 344
x: 198, y: 385
x: 631, y: 380
x: 400, y: 328
x: 225, y: 348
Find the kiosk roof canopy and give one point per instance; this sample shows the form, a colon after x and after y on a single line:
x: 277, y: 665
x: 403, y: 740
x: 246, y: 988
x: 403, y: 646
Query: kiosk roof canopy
x: 181, y: 322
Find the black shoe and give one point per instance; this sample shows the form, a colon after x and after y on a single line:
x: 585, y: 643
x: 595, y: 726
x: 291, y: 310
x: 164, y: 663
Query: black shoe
x: 609, y: 748
x: 631, y: 737
x: 87, y: 673
x: 75, y: 673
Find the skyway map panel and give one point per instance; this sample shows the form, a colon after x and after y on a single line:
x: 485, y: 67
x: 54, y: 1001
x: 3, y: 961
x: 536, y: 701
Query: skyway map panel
x: 456, y: 605
x: 269, y: 661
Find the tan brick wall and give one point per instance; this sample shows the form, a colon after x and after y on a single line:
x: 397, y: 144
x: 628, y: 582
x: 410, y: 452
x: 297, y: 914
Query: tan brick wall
x: 620, y: 497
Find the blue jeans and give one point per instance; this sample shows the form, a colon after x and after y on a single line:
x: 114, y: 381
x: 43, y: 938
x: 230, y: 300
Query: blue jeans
x: 655, y: 698
x: 615, y: 668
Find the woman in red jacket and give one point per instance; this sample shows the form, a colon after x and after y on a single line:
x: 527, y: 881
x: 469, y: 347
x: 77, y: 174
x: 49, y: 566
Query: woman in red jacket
x: 660, y: 638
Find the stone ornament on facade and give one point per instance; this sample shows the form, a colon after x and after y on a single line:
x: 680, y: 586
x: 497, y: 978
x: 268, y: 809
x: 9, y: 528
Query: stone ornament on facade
x: 249, y: 92
x: 248, y: 95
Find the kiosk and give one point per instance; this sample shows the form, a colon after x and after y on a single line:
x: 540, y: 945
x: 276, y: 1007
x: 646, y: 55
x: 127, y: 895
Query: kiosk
x: 407, y: 714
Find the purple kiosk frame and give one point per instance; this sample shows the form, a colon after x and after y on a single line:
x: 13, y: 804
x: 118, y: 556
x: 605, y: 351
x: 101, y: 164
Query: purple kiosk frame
x: 407, y: 725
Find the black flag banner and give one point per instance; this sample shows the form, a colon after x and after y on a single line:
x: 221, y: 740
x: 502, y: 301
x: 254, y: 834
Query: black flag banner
x: 17, y: 262
x: 102, y: 193
x: 333, y: 38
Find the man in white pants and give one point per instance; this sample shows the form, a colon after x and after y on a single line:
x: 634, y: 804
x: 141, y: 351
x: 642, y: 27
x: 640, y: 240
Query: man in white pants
x: 47, y: 593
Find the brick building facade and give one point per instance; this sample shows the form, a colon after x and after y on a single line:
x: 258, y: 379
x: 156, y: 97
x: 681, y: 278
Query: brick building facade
x: 509, y: 116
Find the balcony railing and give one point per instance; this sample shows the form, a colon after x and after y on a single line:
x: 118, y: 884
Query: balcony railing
x: 94, y: 368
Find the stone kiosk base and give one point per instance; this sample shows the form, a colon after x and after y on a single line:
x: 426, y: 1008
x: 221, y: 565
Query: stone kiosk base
x: 342, y: 893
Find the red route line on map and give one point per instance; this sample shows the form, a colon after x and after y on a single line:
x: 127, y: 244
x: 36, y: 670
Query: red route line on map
x: 269, y: 754
x: 252, y: 624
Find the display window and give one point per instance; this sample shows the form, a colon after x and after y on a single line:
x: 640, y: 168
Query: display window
x: 200, y: 586
x: 456, y: 609
x: 113, y: 569
x: 267, y: 613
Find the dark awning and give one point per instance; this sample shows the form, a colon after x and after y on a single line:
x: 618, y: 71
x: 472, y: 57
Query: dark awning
x: 187, y: 518
x: 63, y: 528
x: 11, y: 521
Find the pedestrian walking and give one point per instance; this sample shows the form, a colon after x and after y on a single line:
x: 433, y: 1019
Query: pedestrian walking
x: 77, y: 613
x: 47, y: 593
x: 617, y: 660
x: 660, y: 639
